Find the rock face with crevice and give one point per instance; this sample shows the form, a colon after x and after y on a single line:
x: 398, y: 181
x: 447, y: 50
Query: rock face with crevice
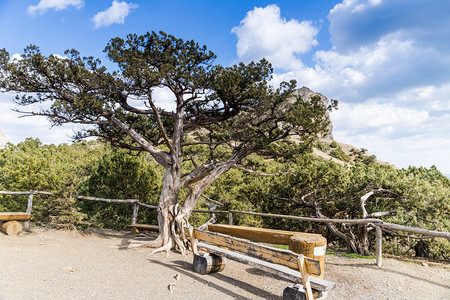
x: 324, y: 148
x: 307, y: 94
x: 3, y: 140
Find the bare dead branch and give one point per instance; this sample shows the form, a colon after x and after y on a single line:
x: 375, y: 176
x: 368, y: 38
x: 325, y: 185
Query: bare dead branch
x: 367, y: 196
x: 211, y: 200
x: 382, y: 214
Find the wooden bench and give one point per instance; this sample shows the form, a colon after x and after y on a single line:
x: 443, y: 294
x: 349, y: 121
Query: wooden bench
x: 9, y: 222
x: 284, y: 263
x: 143, y: 228
x: 311, y: 245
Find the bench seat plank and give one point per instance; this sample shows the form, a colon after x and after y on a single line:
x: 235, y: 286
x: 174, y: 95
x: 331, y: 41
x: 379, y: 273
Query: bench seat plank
x: 145, y: 228
x: 282, y: 271
x: 14, y: 216
x: 259, y: 235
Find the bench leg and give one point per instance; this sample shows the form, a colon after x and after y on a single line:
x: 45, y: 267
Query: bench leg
x: 205, y: 263
x: 11, y: 228
x: 296, y: 292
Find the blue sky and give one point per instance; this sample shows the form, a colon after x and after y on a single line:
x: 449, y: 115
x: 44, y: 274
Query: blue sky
x: 386, y: 61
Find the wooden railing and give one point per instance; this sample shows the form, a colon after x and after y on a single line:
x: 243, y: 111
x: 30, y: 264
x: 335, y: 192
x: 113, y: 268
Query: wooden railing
x: 377, y: 223
x: 30, y: 199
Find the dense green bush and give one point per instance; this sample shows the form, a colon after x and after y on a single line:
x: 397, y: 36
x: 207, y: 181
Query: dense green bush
x: 119, y: 175
x: 422, y: 195
x: 30, y: 165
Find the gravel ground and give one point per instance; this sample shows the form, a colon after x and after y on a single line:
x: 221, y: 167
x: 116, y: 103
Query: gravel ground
x: 50, y: 264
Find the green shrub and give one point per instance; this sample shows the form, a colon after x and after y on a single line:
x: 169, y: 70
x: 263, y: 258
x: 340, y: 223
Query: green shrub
x: 340, y: 154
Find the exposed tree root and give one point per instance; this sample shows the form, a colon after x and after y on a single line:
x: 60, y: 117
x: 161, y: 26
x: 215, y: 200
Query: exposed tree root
x: 167, y: 247
x: 175, y: 238
x: 177, y: 230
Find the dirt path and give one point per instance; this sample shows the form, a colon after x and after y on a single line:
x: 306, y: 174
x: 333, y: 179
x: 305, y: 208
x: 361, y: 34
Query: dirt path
x: 48, y: 264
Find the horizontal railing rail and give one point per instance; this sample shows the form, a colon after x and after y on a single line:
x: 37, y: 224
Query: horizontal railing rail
x: 377, y: 223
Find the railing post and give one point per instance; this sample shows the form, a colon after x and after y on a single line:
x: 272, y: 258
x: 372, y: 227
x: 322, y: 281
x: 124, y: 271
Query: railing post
x: 29, y: 207
x: 135, y: 213
x: 379, y: 246
x: 230, y: 218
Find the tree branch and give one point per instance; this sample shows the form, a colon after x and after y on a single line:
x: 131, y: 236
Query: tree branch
x: 161, y: 126
x: 367, y: 196
x: 59, y: 117
x: 160, y: 156
x: 124, y: 104
x: 202, y: 143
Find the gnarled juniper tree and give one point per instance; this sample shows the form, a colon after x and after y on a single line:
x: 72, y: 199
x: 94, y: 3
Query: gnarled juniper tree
x: 232, y: 112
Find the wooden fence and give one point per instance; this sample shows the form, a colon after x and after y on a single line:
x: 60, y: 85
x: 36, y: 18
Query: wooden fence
x: 377, y: 223
x: 30, y: 200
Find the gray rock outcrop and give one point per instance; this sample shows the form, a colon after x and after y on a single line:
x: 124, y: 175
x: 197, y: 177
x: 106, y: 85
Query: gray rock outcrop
x: 307, y: 94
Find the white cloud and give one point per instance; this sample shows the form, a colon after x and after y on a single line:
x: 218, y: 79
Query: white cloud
x: 18, y: 128
x: 44, y: 5
x: 388, y: 67
x: 354, y: 23
x: 378, y: 70
x: 373, y: 117
x: 416, y: 150
x: 263, y: 33
x: 402, y: 133
x: 164, y: 98
x: 114, y: 14
x: 16, y: 56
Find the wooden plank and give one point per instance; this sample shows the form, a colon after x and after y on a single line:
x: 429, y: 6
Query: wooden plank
x: 145, y: 226
x: 442, y: 234
x: 135, y: 213
x: 309, y: 219
x: 310, y: 246
x: 299, y: 242
x: 190, y: 233
x: 282, y: 271
x: 277, y: 256
x: 25, y: 193
x: 14, y: 216
x: 147, y: 205
x: 260, y: 235
x: 105, y: 200
x: 305, y: 277
x: 14, y: 193
x: 379, y: 246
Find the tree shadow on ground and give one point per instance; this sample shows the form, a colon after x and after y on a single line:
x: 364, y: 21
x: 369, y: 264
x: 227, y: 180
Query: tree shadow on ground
x: 387, y: 270
x: 126, y: 238
x: 186, y: 269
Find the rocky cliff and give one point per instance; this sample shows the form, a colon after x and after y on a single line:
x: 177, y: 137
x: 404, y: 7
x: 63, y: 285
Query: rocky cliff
x: 307, y: 94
